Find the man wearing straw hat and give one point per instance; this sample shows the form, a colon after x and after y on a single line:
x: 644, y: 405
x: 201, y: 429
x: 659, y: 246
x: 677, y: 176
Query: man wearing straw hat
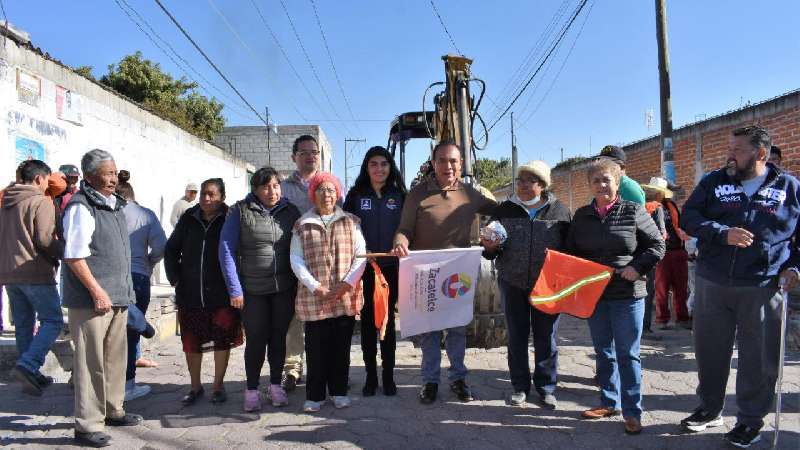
x: 745, y: 217
x: 672, y: 273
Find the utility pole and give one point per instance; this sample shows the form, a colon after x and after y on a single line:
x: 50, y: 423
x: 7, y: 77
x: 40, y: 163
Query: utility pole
x: 346, y: 184
x: 513, y: 157
x: 562, y: 154
x: 269, y: 153
x: 667, y: 158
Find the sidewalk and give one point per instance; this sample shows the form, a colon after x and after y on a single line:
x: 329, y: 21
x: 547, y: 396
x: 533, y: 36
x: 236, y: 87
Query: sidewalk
x: 383, y: 422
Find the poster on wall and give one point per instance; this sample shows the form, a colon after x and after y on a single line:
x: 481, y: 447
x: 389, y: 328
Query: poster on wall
x: 29, y: 88
x: 29, y: 149
x: 68, y: 105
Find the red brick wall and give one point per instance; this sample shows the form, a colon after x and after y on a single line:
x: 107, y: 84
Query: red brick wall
x: 780, y: 116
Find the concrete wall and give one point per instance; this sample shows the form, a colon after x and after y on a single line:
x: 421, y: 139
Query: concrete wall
x: 250, y: 143
x: 698, y: 148
x: 161, y: 157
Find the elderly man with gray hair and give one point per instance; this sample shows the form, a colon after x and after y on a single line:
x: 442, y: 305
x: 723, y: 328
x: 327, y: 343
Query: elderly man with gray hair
x: 98, y: 290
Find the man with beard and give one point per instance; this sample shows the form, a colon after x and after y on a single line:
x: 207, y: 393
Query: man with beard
x: 744, y: 217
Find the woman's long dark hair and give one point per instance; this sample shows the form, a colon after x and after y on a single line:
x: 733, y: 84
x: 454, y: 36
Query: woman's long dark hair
x: 394, y: 180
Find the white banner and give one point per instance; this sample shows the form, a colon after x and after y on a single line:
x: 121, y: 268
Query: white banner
x: 436, y: 289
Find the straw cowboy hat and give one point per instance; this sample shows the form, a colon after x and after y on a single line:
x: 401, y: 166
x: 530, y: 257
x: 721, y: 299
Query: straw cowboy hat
x: 658, y: 184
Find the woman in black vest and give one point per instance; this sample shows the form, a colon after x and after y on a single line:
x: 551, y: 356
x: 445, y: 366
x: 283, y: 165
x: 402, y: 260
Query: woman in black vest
x: 377, y: 199
x: 254, y: 255
x: 207, y: 319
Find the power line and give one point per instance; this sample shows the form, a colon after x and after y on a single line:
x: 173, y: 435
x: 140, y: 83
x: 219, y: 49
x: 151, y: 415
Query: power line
x: 222, y: 75
x: 441, y: 21
x: 180, y: 67
x: 333, y: 66
x: 289, y: 61
x: 311, y: 64
x: 546, y: 58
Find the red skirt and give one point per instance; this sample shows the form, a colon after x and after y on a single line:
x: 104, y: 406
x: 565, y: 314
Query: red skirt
x: 205, y: 331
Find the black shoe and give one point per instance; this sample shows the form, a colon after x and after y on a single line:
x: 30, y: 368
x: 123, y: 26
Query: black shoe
x: 149, y: 331
x: 43, y: 380
x: 389, y: 388
x: 192, y: 397
x: 97, y: 439
x: 700, y: 420
x: 219, y: 396
x: 460, y: 388
x: 370, y: 385
x: 289, y: 382
x: 30, y: 383
x: 128, y: 420
x: 743, y: 436
x: 428, y: 393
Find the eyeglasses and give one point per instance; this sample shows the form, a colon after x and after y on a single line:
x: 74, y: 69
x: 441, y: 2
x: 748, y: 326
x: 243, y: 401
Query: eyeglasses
x: 327, y: 191
x: 308, y: 152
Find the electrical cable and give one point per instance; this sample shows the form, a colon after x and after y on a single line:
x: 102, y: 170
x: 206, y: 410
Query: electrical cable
x: 424, y: 114
x: 441, y: 21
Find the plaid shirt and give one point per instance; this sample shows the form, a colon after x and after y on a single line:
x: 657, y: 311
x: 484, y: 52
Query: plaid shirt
x: 328, y: 254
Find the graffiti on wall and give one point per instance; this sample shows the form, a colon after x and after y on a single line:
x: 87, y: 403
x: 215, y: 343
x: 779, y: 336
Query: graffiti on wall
x: 20, y: 120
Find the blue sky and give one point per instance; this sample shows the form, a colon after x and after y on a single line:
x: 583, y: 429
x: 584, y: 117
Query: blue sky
x: 722, y: 54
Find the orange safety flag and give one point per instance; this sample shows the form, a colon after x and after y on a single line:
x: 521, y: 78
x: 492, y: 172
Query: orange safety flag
x: 568, y: 284
x: 380, y: 300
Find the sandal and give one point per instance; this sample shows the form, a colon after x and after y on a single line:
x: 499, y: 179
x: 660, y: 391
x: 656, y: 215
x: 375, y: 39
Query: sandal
x: 192, y: 397
x: 146, y: 363
x: 97, y: 439
x: 219, y: 397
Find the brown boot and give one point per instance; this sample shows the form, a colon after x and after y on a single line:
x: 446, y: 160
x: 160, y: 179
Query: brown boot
x: 600, y: 412
x: 633, y: 425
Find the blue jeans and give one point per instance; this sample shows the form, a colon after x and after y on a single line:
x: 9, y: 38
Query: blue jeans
x: 455, y: 343
x: 616, y: 328
x: 521, y: 319
x: 141, y: 288
x: 27, y: 302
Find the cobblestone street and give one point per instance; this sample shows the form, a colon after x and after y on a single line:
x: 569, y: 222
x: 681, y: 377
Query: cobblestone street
x: 401, y: 422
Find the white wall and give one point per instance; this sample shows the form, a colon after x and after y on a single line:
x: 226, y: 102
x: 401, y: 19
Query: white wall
x: 161, y: 157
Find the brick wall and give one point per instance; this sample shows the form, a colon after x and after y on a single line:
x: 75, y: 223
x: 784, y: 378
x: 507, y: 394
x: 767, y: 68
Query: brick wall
x: 698, y: 148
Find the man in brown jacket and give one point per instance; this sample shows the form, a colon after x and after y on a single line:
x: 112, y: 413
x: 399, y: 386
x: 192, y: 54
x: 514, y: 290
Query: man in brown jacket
x: 440, y: 212
x: 29, y: 254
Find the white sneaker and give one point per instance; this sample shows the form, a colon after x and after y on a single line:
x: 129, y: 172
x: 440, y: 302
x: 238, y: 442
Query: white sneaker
x: 138, y: 390
x: 341, y: 401
x: 311, y: 407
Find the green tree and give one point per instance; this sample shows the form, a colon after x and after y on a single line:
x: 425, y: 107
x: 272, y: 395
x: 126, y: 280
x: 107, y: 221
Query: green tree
x: 143, y: 81
x: 85, y: 71
x: 493, y: 174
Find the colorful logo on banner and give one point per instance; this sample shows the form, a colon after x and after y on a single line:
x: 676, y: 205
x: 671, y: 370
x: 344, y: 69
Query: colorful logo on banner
x: 456, y: 285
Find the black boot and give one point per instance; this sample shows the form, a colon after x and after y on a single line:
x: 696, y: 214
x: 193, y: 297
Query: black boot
x: 389, y: 388
x: 371, y: 383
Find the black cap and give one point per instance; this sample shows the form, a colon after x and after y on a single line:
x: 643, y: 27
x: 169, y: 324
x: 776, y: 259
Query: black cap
x: 613, y: 152
x: 69, y: 170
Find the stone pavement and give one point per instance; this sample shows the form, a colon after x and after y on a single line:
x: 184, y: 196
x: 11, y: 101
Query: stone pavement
x: 401, y: 422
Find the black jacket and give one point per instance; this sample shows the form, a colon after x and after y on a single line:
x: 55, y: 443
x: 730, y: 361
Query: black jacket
x: 719, y: 203
x: 380, y: 218
x: 521, y: 257
x: 191, y: 261
x: 626, y: 236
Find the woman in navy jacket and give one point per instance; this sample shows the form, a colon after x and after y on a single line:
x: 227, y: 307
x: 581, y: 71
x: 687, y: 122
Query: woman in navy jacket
x: 377, y: 199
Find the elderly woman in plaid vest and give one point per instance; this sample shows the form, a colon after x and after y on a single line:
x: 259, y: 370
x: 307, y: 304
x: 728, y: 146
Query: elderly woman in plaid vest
x: 324, y: 246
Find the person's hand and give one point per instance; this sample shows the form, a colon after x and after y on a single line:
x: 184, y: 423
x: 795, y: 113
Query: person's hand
x: 400, y: 250
x: 237, y: 302
x: 682, y: 235
x: 321, y: 293
x: 489, y: 244
x: 102, y: 302
x: 791, y: 279
x: 629, y: 273
x: 739, y: 237
x: 338, y: 291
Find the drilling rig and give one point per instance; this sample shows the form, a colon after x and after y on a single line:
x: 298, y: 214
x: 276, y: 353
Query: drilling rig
x: 453, y: 118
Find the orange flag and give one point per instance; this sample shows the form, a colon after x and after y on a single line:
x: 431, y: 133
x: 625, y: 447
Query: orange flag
x: 568, y: 284
x: 380, y: 300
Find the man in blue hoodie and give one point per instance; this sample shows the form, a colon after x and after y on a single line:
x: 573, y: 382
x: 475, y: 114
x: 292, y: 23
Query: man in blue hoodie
x: 745, y: 217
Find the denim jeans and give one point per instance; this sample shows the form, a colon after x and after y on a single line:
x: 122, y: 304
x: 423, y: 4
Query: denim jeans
x: 521, y: 319
x: 455, y: 343
x: 616, y: 328
x: 29, y: 301
x: 141, y: 288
